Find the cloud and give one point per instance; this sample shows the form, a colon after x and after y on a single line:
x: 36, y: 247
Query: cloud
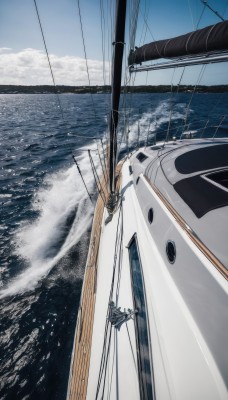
x: 30, y: 67
x: 5, y: 49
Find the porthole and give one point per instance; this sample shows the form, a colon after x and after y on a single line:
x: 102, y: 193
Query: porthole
x: 150, y: 215
x: 171, y: 251
x: 137, y: 180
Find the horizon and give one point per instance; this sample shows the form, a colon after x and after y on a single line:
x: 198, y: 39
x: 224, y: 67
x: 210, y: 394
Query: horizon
x: 107, y: 85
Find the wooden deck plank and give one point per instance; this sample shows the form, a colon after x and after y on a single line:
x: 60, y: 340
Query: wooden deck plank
x: 79, y: 370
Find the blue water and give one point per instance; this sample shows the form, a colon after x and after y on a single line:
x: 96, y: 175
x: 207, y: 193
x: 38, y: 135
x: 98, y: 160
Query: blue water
x: 46, y: 217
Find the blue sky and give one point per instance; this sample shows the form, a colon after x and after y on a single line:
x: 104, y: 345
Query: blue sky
x: 19, y: 31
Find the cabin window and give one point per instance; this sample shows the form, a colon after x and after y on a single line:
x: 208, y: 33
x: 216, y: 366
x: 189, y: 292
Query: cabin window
x: 150, y: 215
x: 141, y: 157
x: 171, y: 251
x: 141, y: 322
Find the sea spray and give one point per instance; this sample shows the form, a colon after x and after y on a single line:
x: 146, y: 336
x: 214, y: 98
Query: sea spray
x: 40, y: 242
x: 151, y: 121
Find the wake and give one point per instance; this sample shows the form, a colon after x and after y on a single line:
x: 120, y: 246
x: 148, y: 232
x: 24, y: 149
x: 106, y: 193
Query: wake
x: 45, y: 241
x: 151, y: 121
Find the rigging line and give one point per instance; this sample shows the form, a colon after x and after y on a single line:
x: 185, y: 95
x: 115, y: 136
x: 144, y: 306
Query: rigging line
x: 106, y: 362
x: 131, y: 346
x: 108, y: 329
x: 197, y: 83
x: 210, y: 8
x: 110, y: 40
x: 148, y: 28
x: 172, y: 107
x: 87, y: 68
x: 115, y: 252
x: 48, y: 58
x: 212, y: 110
x: 222, y: 119
x: 203, y: 130
x: 104, y: 156
x: 96, y: 178
x: 132, y: 77
x: 102, y: 167
x: 103, y: 37
x: 119, y: 237
x: 133, y: 25
x: 113, y: 359
x: 190, y: 9
x: 82, y: 177
x: 204, y: 8
x: 108, y: 325
x: 138, y: 136
x: 146, y: 141
x: 145, y: 26
x: 120, y: 260
x: 125, y: 129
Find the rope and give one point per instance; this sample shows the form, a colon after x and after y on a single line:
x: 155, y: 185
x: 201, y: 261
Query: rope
x: 84, y: 47
x: 131, y: 346
x: 204, y: 8
x: 205, y: 2
x: 197, y: 83
x: 102, y: 167
x: 82, y: 177
x: 96, y: 178
x: 49, y: 62
x: 190, y: 9
x: 222, y: 119
x: 103, y: 38
x: 172, y: 107
x: 108, y: 327
x: 105, y: 163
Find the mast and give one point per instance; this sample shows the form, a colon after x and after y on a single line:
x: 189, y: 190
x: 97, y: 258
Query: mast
x: 116, y: 88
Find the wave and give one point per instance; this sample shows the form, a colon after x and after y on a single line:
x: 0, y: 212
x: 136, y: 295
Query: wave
x: 65, y: 214
x: 151, y: 121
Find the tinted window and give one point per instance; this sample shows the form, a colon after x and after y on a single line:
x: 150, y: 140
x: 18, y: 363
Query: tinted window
x: 141, y: 329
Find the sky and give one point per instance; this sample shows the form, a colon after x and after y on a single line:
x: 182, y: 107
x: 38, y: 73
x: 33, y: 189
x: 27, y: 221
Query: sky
x: 23, y: 59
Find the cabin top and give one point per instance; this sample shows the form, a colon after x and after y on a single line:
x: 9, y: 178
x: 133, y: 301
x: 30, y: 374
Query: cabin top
x: 192, y: 174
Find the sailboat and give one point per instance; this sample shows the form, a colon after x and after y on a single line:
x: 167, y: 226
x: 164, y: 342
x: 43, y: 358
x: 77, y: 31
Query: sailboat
x: 153, y: 316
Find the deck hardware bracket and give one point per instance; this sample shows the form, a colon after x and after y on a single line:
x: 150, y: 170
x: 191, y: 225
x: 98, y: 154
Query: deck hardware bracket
x: 118, y: 317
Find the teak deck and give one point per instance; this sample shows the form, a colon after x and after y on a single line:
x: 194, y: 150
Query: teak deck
x: 79, y: 370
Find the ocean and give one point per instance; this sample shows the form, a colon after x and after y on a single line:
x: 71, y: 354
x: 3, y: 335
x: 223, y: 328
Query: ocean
x: 46, y: 216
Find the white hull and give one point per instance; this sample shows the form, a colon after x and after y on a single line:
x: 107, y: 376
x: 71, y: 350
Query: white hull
x: 185, y: 307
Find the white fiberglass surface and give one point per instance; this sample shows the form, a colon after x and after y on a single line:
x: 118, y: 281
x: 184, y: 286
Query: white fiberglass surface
x: 183, y: 366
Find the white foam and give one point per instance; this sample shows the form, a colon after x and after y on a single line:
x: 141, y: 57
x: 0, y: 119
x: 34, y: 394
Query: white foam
x: 61, y: 194
x: 150, y: 121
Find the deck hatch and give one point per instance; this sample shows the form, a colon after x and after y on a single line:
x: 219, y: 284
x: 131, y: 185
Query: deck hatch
x: 141, y: 157
x: 141, y: 323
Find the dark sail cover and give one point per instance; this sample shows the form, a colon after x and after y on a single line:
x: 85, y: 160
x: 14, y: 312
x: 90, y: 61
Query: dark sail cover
x: 211, y: 38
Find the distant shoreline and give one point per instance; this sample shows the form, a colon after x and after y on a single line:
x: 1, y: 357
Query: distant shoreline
x: 48, y: 89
